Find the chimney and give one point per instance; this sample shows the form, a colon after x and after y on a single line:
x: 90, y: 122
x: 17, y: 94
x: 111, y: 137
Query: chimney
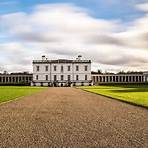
x: 79, y: 57
x: 43, y: 57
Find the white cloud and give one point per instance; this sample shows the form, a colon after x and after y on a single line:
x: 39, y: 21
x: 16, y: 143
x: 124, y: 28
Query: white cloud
x: 64, y: 31
x: 142, y: 7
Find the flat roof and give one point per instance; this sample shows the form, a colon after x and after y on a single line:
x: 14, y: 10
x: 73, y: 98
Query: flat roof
x: 60, y: 61
x: 126, y: 74
x: 16, y: 74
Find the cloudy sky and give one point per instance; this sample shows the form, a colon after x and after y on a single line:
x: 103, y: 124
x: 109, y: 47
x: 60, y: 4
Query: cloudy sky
x: 112, y: 33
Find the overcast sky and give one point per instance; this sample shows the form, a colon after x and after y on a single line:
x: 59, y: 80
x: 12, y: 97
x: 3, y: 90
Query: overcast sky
x: 112, y: 33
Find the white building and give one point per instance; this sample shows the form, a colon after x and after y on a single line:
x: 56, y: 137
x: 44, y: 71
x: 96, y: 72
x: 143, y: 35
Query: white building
x: 98, y: 79
x: 61, y: 72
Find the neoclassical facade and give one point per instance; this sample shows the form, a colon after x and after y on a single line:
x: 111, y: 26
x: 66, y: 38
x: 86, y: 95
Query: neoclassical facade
x: 61, y: 72
x: 15, y: 79
x: 119, y: 78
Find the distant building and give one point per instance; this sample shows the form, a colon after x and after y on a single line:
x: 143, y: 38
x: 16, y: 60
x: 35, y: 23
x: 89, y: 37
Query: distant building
x: 15, y: 78
x: 119, y: 78
x: 61, y: 72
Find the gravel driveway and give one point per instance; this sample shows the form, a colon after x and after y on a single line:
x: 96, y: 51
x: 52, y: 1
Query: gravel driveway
x: 69, y: 117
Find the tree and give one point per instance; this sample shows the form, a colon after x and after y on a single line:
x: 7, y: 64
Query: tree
x: 99, y: 71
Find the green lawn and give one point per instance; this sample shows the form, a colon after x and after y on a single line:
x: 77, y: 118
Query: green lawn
x: 11, y: 92
x: 129, y: 93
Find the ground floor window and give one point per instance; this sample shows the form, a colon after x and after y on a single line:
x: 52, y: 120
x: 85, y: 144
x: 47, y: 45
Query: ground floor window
x: 46, y: 77
x: 37, y: 77
x: 85, y: 77
x: 77, y: 77
x: 62, y: 77
x: 68, y: 77
x: 55, y: 77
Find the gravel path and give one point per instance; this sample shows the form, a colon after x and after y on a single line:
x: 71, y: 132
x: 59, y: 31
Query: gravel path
x: 69, y: 117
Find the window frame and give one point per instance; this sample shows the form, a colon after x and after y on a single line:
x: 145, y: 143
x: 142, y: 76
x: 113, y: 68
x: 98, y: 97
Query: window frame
x: 55, y: 67
x: 77, y: 77
x: 55, y: 77
x: 46, y: 68
x: 37, y: 68
x: 86, y: 77
x: 77, y: 67
x: 68, y: 68
x: 62, y: 68
x: 37, y: 77
x: 62, y: 77
x: 86, y: 67
x: 46, y: 77
x: 69, y: 77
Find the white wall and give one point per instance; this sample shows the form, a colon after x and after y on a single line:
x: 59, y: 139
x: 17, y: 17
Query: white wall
x: 42, y: 73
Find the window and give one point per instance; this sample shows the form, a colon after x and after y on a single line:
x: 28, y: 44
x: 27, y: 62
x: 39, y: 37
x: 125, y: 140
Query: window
x: 77, y: 68
x: 85, y: 77
x: 62, y: 68
x: 46, y: 77
x: 62, y: 77
x: 86, y: 67
x: 37, y: 68
x: 46, y: 68
x: 77, y: 77
x: 68, y: 77
x: 37, y: 77
x: 68, y: 68
x: 55, y: 68
x: 55, y: 77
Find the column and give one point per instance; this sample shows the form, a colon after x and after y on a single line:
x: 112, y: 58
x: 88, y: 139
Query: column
x: 131, y: 78
x: 98, y: 79
x: 138, y: 78
x: 128, y: 79
x: 143, y: 79
x: 104, y: 78
x: 118, y: 78
x: 93, y: 79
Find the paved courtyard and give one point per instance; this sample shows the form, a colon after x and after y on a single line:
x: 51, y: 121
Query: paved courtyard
x: 70, y: 117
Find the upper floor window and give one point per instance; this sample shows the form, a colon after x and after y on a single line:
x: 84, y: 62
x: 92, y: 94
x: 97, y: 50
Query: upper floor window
x: 86, y: 67
x: 46, y: 77
x: 37, y: 68
x: 55, y: 68
x: 62, y: 77
x: 77, y: 77
x: 77, y: 68
x: 46, y: 68
x: 69, y: 68
x: 62, y: 68
x: 85, y: 77
x: 37, y: 77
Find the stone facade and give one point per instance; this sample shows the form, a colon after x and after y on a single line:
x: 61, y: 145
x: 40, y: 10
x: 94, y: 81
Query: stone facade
x: 61, y: 72
x: 15, y: 79
x: 119, y: 78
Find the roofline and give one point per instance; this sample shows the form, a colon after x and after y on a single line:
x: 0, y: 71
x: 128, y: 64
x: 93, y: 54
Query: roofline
x: 60, y: 61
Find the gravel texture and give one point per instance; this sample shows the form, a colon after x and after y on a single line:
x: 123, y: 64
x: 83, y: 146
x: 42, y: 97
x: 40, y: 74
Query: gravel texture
x: 70, y: 117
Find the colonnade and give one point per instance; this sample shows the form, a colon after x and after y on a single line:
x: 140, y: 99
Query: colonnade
x: 15, y: 78
x: 119, y: 78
